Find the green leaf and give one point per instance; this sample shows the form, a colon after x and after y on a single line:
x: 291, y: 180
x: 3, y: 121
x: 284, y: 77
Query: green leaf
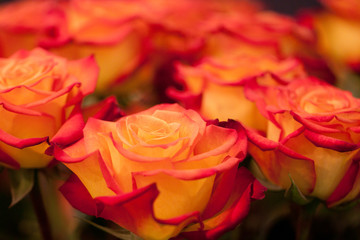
x: 21, y: 183
x: 119, y: 233
x: 294, y: 194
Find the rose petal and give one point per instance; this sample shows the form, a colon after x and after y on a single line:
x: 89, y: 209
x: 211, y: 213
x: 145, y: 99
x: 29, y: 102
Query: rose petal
x: 233, y: 212
x: 87, y: 78
x: 122, y: 209
x: 346, y: 184
x: 321, y: 140
x: 71, y: 130
x: 78, y: 196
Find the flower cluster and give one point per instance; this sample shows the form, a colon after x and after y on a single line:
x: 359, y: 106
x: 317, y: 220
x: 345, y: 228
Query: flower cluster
x: 204, y: 90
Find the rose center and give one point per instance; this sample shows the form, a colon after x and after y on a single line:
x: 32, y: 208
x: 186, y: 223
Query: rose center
x: 14, y: 72
x: 324, y: 101
x: 152, y: 130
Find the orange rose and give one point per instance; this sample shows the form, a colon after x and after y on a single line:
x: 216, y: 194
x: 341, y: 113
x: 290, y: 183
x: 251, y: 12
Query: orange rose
x: 28, y: 24
x: 160, y: 173
x: 338, y: 33
x: 216, y: 87
x: 312, y: 137
x: 174, y: 33
x: 40, y: 93
x: 111, y: 30
x: 114, y: 31
x: 264, y: 33
x: 257, y: 33
x: 178, y: 38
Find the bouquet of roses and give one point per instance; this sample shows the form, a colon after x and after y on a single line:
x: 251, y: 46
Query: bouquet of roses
x: 155, y: 119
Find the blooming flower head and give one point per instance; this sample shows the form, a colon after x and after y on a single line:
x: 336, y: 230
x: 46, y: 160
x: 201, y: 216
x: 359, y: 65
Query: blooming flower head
x: 339, y: 26
x: 40, y: 93
x: 160, y: 173
x: 218, y: 87
x: 312, y: 138
x: 30, y: 23
x: 112, y: 31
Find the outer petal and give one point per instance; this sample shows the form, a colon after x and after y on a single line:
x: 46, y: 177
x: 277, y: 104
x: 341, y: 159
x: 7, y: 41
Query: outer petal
x: 107, y: 109
x: 330, y: 165
x: 331, y: 143
x: 87, y: 78
x: 352, y: 194
x: 8, y: 160
x: 71, y: 130
x: 345, y: 185
x: 78, y: 196
x: 278, y: 163
x: 122, y: 209
x: 20, y: 143
x: 187, y: 98
x: 242, y: 190
x: 29, y: 157
x: 76, y: 158
x: 193, y: 186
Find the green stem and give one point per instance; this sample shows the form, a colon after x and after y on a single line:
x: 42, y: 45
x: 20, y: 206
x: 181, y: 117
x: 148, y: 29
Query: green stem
x: 304, y: 220
x: 134, y: 237
x: 40, y: 210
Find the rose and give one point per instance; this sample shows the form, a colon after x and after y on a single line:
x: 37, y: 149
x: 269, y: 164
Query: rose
x: 257, y: 32
x: 312, y: 138
x: 30, y: 23
x: 262, y: 33
x: 174, y: 34
x: 111, y: 30
x: 339, y: 27
x: 160, y: 172
x: 175, y: 38
x: 114, y: 31
x: 40, y: 101
x: 217, y: 87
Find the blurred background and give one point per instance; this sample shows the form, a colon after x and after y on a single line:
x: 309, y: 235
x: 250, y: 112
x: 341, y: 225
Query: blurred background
x: 282, y: 6
x: 290, y: 6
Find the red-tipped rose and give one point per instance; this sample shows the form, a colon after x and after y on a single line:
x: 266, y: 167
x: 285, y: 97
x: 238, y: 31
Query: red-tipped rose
x: 160, y: 173
x: 40, y: 97
x: 312, y: 137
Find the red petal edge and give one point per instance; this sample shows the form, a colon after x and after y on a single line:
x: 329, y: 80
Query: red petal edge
x: 345, y: 185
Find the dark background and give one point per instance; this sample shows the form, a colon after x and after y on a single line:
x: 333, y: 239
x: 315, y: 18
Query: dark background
x: 290, y: 6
